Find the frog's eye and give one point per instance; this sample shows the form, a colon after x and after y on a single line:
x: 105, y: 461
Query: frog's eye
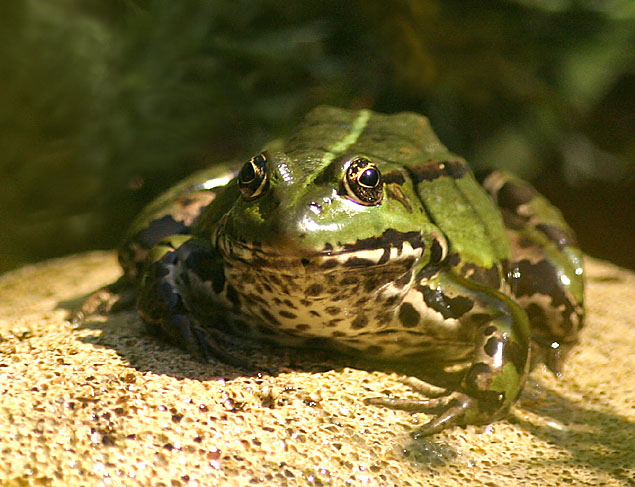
x: 363, y: 182
x: 252, y: 178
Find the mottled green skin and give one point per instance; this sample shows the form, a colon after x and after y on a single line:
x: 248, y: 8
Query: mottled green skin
x: 362, y: 232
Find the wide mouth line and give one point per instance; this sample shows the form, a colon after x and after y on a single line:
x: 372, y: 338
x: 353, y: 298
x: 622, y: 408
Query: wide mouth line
x: 368, y: 256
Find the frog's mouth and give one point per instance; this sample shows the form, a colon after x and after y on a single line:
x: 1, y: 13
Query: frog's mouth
x: 390, y: 248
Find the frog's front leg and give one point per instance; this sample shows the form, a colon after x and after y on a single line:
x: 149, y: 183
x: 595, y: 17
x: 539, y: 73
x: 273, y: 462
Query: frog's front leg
x: 163, y: 300
x: 499, y: 363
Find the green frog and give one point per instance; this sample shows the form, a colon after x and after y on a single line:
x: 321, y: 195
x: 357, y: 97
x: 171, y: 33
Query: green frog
x: 361, y: 232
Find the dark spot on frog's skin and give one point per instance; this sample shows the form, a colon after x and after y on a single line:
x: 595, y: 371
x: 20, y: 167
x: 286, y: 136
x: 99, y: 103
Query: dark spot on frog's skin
x: 207, y: 269
x: 289, y: 304
x: 255, y: 298
x: 314, y: 290
x: 302, y: 327
x: 436, y: 252
x: 489, y: 277
x: 489, y: 330
x: 329, y: 264
x: 389, y: 239
x: 333, y: 310
x: 515, y: 354
x: 286, y: 314
x: 338, y: 334
x: 493, y: 346
x: 537, y: 317
x: 359, y: 322
x: 408, y: 315
x: 393, y: 177
x: 557, y: 235
x: 385, y: 257
x: 511, y: 195
x: 540, y: 278
x: 314, y: 313
x: 436, y: 169
x: 448, y: 307
x: 333, y: 323
x: 372, y: 284
x: 305, y: 302
x: 349, y: 280
x: 358, y: 262
x: 273, y: 279
x: 269, y: 317
x: 403, y: 280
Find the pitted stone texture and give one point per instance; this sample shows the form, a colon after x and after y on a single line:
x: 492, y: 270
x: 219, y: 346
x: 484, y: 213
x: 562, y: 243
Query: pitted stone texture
x: 107, y: 404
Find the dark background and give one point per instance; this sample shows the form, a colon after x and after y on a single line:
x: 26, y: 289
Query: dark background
x: 105, y: 103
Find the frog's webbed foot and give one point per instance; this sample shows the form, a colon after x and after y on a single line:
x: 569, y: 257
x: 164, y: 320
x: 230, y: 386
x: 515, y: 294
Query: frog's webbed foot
x: 112, y: 298
x: 453, y: 406
x: 190, y: 335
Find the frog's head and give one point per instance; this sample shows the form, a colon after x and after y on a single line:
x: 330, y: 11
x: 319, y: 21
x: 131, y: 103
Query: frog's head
x: 313, y: 212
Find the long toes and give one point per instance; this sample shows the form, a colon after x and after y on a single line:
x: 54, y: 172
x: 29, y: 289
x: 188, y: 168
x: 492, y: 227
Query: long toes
x: 453, y: 414
x: 412, y: 405
x: 425, y: 388
x: 211, y: 350
x: 101, y: 301
x: 454, y: 407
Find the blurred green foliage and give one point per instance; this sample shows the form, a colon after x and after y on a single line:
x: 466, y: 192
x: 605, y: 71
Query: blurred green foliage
x: 104, y: 103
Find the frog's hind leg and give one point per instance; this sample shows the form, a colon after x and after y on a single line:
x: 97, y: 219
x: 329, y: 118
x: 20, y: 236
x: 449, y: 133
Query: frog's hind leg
x: 546, y: 273
x: 497, y: 332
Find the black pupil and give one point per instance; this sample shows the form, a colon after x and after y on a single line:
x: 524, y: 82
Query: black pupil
x: 247, y: 173
x: 369, y: 178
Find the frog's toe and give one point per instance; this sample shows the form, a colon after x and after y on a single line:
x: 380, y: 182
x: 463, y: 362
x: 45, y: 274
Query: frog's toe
x: 412, y: 405
x: 198, y: 344
x: 101, y: 301
x: 454, y: 408
x: 454, y: 413
x: 425, y: 388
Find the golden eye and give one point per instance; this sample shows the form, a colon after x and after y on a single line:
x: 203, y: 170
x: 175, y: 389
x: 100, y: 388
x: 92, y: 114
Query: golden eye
x: 363, y: 182
x: 252, y: 177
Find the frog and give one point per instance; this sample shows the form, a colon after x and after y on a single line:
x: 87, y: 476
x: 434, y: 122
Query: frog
x: 362, y: 233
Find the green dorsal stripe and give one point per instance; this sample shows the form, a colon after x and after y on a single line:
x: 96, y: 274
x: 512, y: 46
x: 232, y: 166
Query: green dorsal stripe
x: 357, y: 127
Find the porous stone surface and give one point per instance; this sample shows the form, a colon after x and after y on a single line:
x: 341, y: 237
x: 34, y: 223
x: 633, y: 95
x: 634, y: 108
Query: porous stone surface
x: 105, y: 403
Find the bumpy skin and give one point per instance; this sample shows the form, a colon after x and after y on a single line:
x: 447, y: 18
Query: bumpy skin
x: 361, y: 232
